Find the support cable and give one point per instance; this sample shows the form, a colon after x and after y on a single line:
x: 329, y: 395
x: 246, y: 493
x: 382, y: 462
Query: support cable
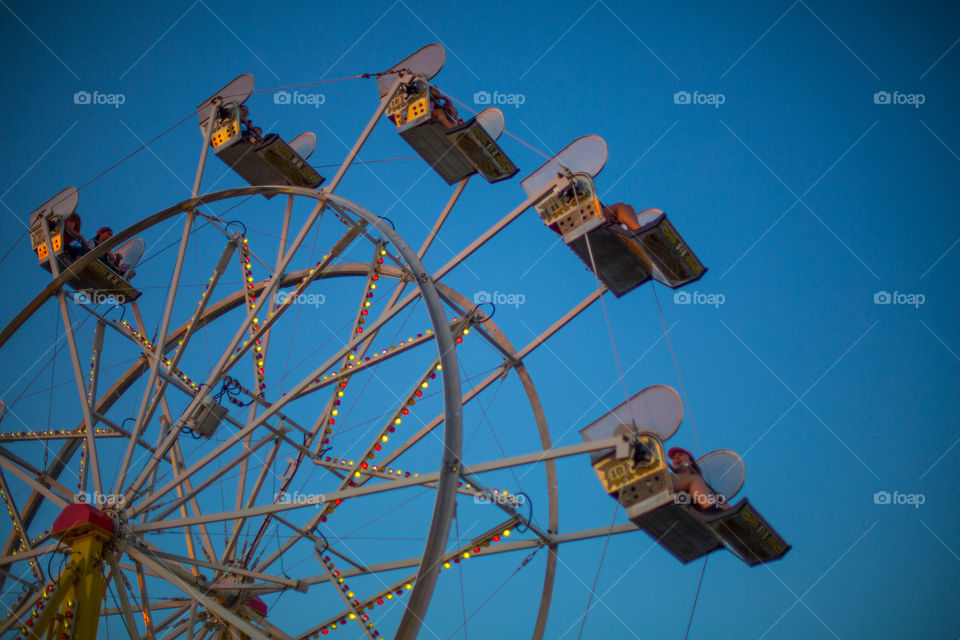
x: 593, y: 587
x: 676, y: 366
x: 606, y: 317
x: 703, y: 570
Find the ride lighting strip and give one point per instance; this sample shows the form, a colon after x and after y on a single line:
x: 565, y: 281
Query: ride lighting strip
x: 25, y: 543
x: 329, y: 417
x: 95, y: 362
x: 384, y: 354
x: 257, y: 352
x: 61, y: 434
x: 363, y: 463
x: 474, y: 548
x: 373, y: 471
x: 145, y: 342
x: 354, y: 609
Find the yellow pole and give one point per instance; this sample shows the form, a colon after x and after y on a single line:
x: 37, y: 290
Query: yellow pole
x: 71, y: 609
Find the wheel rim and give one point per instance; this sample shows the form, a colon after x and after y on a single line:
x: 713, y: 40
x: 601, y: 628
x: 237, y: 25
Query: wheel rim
x: 440, y: 523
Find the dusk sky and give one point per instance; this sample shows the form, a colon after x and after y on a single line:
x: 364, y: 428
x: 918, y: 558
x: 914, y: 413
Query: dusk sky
x: 808, y: 153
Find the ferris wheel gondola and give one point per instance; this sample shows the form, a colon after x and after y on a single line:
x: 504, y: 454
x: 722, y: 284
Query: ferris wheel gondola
x: 454, y: 150
x: 638, y: 475
x: 58, y: 248
x: 622, y: 258
x: 260, y: 160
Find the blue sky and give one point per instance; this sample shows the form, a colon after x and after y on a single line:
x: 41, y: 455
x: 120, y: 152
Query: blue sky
x: 826, y: 175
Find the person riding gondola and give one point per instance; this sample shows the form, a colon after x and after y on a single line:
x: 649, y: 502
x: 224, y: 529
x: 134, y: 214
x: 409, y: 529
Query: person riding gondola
x: 250, y: 133
x: 688, y: 480
x: 112, y: 260
x: 74, y: 243
x: 443, y: 109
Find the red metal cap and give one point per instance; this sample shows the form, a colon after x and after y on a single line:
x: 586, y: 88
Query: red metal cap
x: 81, y: 518
x: 257, y: 605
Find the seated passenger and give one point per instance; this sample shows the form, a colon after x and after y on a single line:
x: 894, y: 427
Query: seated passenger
x: 687, y: 478
x: 250, y: 133
x: 443, y: 109
x: 112, y: 260
x: 74, y: 244
x: 624, y: 213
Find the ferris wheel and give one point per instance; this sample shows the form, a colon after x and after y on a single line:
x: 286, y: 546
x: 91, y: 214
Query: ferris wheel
x: 193, y: 496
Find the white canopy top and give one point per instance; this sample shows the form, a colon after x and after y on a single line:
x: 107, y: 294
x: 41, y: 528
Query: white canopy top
x: 657, y: 409
x: 584, y: 155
